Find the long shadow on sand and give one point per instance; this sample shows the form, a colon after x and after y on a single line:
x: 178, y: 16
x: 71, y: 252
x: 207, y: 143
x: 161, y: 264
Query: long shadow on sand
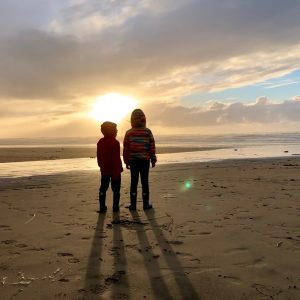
x: 158, y: 285
x: 120, y: 289
x: 92, y: 286
x: 184, y: 284
x: 96, y: 283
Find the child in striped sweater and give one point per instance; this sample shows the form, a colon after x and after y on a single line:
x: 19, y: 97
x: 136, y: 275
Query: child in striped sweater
x: 138, y: 152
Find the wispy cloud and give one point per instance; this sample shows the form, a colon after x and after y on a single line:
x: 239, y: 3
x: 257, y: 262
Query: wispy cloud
x: 276, y: 84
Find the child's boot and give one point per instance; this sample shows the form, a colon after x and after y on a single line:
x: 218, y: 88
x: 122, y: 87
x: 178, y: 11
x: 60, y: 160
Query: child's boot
x: 116, y: 200
x: 146, y: 204
x: 132, y: 205
x: 102, y: 198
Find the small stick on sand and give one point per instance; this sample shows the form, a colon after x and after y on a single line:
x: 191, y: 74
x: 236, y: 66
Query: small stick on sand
x: 30, y: 219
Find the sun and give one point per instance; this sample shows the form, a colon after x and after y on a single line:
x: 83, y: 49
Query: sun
x: 112, y: 107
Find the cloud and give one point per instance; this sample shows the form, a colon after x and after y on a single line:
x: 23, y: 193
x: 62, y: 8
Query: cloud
x: 275, y: 83
x: 89, y: 17
x: 52, y: 120
x: 215, y: 105
x: 42, y: 111
x: 263, y: 111
x: 152, y: 50
x: 56, y: 56
x: 262, y: 101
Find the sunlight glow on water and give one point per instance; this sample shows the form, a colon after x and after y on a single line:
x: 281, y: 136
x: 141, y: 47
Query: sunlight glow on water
x: 47, y: 167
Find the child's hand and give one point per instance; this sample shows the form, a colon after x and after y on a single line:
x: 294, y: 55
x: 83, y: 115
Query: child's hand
x: 127, y: 166
x: 153, y: 164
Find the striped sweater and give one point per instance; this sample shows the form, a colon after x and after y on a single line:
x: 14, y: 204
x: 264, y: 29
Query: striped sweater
x: 139, y: 144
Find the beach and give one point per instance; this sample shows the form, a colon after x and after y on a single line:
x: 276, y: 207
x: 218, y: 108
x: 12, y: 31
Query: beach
x: 198, y: 99
x: 218, y: 230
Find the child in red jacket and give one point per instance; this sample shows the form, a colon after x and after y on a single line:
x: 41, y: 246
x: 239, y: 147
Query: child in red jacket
x: 109, y: 161
x: 138, y: 152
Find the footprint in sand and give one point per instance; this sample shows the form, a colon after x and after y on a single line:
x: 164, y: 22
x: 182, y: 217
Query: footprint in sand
x: 175, y: 242
x: 94, y: 289
x: 64, y: 254
x: 4, y: 267
x: 209, y: 269
x: 258, y: 263
x: 266, y: 291
x: 233, y: 279
x: 114, y: 278
x: 196, y: 260
x: 73, y: 260
x: 236, y: 251
x: 184, y: 254
x: 5, y: 227
x: 37, y: 249
x: 8, y: 242
x: 21, y: 245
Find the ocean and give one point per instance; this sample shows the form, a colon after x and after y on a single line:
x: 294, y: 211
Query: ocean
x: 226, y: 140
x: 174, y: 149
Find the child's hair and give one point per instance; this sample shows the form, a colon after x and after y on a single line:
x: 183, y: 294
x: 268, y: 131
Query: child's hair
x: 109, y: 129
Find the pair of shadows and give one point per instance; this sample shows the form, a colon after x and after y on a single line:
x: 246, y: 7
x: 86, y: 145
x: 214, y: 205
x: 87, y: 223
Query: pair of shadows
x: 183, y: 283
x: 119, y: 278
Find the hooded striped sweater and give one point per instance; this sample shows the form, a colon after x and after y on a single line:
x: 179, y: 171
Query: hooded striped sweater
x: 138, y: 142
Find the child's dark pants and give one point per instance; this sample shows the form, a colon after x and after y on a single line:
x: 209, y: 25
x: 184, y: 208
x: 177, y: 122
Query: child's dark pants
x: 139, y: 167
x: 115, y: 186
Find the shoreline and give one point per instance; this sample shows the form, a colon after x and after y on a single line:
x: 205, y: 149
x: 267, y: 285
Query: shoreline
x: 31, y: 169
x: 22, y: 154
x: 289, y: 161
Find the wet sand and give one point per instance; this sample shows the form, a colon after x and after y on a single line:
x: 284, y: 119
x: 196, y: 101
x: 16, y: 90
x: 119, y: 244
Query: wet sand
x: 223, y: 230
x: 18, y: 154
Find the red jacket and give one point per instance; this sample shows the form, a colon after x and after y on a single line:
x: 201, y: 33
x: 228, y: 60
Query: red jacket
x: 108, y: 157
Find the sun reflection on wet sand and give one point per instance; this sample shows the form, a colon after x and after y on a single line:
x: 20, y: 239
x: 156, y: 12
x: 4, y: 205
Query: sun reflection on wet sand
x: 47, y: 167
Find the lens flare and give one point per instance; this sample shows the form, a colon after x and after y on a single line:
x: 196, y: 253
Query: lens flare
x: 187, y: 185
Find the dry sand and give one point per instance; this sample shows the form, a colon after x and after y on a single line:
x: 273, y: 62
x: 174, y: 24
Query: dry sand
x: 225, y: 230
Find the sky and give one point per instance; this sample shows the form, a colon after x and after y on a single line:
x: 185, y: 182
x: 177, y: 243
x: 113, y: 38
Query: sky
x: 194, y: 66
